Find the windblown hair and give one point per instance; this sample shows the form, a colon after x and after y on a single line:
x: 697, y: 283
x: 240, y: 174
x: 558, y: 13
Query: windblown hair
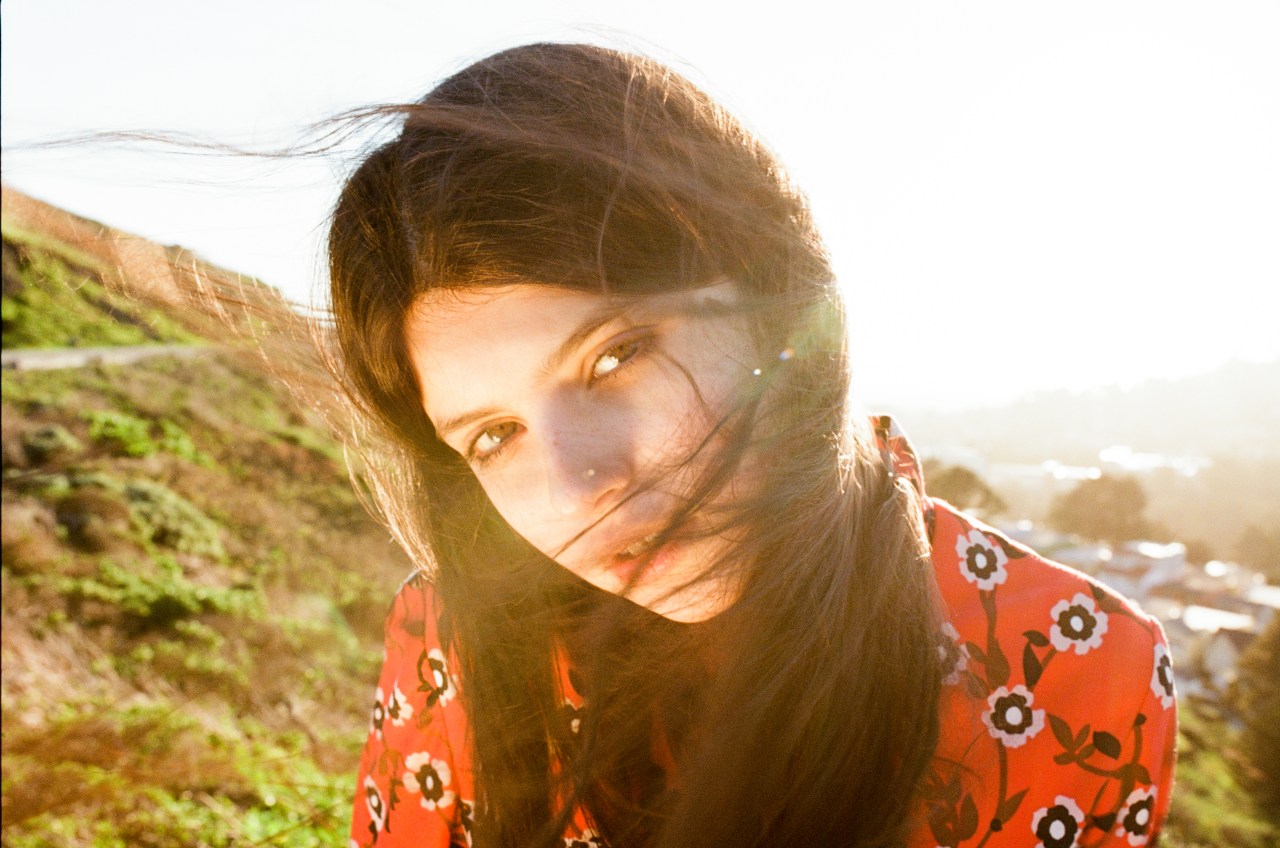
x: 806, y: 713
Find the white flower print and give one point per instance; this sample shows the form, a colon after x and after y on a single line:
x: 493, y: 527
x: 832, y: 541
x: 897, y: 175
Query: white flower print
x: 1058, y: 826
x: 1134, y: 821
x: 399, y: 710
x: 953, y: 655
x: 376, y: 806
x: 378, y: 716
x: 430, y: 778
x: 588, y: 839
x: 433, y: 672
x: 982, y: 561
x: 1010, y: 718
x: 1077, y: 624
x: 1162, y: 676
x: 573, y: 716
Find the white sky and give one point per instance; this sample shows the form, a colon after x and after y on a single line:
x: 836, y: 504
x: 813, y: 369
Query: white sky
x: 1019, y: 196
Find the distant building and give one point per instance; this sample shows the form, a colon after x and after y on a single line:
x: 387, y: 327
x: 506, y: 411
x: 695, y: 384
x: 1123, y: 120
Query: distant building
x: 1222, y: 654
x: 1262, y: 601
x: 1137, y: 567
x: 1206, y: 642
x: 1091, y: 557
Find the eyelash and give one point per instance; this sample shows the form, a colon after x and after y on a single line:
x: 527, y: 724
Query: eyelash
x: 631, y: 347
x: 634, y: 346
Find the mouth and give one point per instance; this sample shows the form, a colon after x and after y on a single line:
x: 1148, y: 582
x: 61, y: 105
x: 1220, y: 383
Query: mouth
x: 638, y: 548
x: 644, y: 553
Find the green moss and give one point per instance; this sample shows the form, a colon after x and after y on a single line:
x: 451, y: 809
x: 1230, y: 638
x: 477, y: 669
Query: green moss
x: 51, y: 442
x: 61, y: 302
x: 38, y: 389
x: 170, y: 520
x: 161, y: 516
x: 131, y: 435
x: 127, y: 433
x: 43, y: 242
x: 156, y: 593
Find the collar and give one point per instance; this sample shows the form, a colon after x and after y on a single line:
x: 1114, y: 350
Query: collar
x: 898, y: 453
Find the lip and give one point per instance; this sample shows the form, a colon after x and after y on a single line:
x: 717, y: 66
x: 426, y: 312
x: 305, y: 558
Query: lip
x: 653, y: 562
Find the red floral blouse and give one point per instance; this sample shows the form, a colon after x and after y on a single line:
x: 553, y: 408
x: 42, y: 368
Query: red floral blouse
x: 1058, y: 711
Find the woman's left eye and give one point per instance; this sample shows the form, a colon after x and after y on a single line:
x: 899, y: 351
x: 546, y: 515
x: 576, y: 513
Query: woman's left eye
x: 615, y: 357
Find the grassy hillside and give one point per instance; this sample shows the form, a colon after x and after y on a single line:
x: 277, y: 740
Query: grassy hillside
x: 56, y: 296
x: 192, y: 597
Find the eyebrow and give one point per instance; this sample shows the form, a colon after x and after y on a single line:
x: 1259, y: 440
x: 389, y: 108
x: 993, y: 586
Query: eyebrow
x: 593, y: 322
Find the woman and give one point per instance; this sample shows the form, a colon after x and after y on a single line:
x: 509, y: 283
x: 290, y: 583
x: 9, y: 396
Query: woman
x: 672, y: 592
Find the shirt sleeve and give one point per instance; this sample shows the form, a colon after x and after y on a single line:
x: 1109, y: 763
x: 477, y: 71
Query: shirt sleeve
x: 1146, y: 794
x: 1072, y: 744
x: 1122, y: 781
x: 414, y: 783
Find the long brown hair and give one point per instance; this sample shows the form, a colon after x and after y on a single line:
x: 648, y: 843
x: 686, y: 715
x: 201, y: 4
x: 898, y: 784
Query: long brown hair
x: 807, y: 711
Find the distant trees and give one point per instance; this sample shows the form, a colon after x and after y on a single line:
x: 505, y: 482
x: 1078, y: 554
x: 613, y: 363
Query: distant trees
x: 962, y: 488
x: 1259, y: 549
x: 1199, y: 551
x: 1108, y: 508
x: 1255, y: 698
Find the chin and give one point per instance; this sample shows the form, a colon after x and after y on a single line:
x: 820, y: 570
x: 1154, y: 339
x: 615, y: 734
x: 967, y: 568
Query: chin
x: 693, y: 604
x: 658, y: 583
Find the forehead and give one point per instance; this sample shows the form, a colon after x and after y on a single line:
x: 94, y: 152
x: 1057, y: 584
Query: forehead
x: 444, y: 324
x: 458, y: 340
x: 438, y: 308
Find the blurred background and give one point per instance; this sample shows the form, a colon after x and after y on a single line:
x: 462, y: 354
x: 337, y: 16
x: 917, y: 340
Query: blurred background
x: 1055, y: 227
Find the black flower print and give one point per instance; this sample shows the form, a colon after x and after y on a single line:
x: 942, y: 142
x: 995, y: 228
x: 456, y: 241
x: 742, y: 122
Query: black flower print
x: 378, y: 716
x: 1058, y: 826
x: 376, y: 806
x: 430, y: 778
x: 1078, y: 624
x: 982, y: 562
x: 399, y: 710
x: 954, y: 656
x: 466, y: 820
x: 1162, y: 676
x: 588, y: 839
x: 434, y: 679
x: 1134, y: 821
x: 1010, y: 717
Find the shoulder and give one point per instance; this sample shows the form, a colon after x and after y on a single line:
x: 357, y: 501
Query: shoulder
x: 985, y: 577
x: 414, y: 614
x: 414, y: 785
x: 413, y: 645
x: 1059, y: 699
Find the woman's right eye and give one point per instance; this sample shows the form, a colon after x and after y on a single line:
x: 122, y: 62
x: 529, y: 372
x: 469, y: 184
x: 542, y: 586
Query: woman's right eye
x: 490, y: 442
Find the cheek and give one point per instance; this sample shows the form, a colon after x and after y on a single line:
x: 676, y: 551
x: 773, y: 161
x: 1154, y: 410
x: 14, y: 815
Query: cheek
x: 515, y: 497
x: 688, y: 408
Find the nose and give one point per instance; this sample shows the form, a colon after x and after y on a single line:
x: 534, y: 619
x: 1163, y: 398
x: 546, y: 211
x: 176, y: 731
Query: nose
x: 586, y: 473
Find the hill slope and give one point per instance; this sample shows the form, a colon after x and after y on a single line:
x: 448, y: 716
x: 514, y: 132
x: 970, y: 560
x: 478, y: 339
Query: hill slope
x: 192, y: 596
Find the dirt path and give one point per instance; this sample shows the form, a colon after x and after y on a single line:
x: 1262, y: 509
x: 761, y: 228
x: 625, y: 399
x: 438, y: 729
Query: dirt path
x: 43, y: 359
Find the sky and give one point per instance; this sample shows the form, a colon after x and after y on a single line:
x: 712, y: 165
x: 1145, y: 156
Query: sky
x: 1018, y: 196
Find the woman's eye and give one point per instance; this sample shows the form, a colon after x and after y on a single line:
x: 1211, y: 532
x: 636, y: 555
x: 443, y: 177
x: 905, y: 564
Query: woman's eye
x: 490, y: 441
x: 614, y: 358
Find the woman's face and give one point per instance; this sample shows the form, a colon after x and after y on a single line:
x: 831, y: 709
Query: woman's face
x: 582, y: 416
